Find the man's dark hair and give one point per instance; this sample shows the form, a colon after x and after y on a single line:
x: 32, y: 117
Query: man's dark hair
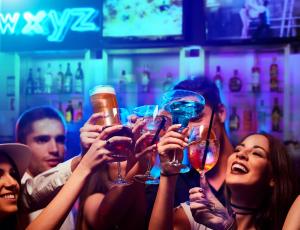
x: 25, y: 121
x: 204, y: 86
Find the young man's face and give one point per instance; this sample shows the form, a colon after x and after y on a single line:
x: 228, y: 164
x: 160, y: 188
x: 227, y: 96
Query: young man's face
x: 205, y: 117
x: 47, y: 142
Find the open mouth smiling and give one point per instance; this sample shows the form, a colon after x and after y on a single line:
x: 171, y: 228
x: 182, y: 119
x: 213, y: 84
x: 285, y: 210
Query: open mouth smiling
x: 239, y: 168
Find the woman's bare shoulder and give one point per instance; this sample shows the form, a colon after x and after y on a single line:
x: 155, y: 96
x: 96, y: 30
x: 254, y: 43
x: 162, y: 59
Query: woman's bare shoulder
x: 91, y: 205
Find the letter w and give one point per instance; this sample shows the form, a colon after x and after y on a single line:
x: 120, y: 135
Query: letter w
x: 8, y: 22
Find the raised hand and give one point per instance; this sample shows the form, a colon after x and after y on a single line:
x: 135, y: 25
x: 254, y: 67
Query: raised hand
x: 167, y: 146
x: 90, y: 132
x: 207, y: 209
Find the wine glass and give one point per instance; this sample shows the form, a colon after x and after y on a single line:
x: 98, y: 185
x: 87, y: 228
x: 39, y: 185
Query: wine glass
x: 121, y: 151
x: 182, y: 105
x: 199, y: 142
x: 155, y: 124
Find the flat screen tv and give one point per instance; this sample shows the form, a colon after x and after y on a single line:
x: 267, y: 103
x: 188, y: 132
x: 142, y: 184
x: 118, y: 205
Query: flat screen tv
x: 134, y: 21
x: 252, y: 20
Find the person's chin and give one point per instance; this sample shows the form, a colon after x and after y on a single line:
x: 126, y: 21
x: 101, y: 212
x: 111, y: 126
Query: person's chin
x: 53, y: 163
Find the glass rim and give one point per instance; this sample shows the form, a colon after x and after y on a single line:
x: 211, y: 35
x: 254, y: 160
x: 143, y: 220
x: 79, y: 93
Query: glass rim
x: 171, y: 95
x: 102, y: 89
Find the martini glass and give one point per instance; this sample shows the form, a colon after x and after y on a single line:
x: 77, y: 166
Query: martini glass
x: 182, y: 105
x: 155, y: 124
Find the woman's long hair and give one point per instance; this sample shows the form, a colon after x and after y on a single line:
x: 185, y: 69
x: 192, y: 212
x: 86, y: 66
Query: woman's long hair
x: 285, y: 188
x: 278, y: 199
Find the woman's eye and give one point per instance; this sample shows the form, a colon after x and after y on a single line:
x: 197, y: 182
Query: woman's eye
x: 258, y: 154
x: 237, y: 149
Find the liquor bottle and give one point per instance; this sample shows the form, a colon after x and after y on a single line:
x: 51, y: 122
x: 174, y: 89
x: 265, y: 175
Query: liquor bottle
x: 67, y: 83
x: 235, y: 83
x: 79, y: 79
x: 262, y: 117
x: 69, y: 113
x: 79, y: 112
x: 48, y: 80
x: 248, y: 122
x: 255, y: 79
x: 59, y: 83
x: 145, y: 82
x: 60, y: 108
x: 30, y: 83
x: 122, y: 82
x: 274, y: 84
x: 234, y: 120
x: 168, y: 83
x: 218, y: 78
x: 38, y: 82
x: 276, y: 116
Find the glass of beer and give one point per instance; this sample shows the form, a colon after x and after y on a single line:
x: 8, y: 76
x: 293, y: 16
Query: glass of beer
x: 104, y: 100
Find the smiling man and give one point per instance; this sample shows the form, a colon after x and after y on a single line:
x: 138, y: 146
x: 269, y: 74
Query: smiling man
x: 43, y: 130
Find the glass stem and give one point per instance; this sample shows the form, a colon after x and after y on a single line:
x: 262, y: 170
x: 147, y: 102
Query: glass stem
x: 175, y: 157
x: 148, y: 167
x: 119, y: 171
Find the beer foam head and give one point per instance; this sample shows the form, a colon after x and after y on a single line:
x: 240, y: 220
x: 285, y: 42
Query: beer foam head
x: 102, y: 89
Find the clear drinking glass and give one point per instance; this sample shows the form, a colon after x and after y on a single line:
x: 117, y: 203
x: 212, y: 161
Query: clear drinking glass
x: 182, y: 105
x: 103, y: 99
x: 121, y: 151
x: 198, y: 139
x: 156, y: 125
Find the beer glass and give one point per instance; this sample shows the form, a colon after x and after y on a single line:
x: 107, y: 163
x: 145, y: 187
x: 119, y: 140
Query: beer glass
x: 103, y: 99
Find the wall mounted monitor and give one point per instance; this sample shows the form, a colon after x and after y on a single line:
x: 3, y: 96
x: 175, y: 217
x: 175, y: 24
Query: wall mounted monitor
x: 131, y: 21
x: 252, y: 20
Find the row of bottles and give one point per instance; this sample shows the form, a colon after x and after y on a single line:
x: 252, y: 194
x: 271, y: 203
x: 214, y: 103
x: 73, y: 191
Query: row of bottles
x: 71, y: 112
x: 145, y: 81
x: 51, y: 81
x: 235, y: 82
x: 250, y: 122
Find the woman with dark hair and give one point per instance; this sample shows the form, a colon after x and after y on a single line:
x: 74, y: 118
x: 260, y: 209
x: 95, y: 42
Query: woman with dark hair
x: 14, y: 160
x: 260, y: 183
x: 261, y: 186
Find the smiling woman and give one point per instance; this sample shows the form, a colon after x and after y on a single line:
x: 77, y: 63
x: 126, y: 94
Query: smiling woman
x: 14, y: 159
x: 261, y: 186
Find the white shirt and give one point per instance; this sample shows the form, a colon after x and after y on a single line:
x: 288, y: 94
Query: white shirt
x: 43, y: 187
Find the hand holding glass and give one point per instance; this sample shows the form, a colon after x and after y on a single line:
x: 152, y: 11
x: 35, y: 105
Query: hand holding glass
x: 154, y: 124
x: 182, y: 105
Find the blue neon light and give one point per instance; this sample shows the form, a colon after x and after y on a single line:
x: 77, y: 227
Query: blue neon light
x: 33, y: 23
x: 8, y: 23
x: 84, y: 20
x: 61, y: 25
x: 55, y: 25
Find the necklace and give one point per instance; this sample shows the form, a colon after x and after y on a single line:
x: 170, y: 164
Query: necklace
x: 241, y: 210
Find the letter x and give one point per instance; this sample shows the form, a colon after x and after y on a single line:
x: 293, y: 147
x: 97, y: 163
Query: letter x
x: 33, y: 23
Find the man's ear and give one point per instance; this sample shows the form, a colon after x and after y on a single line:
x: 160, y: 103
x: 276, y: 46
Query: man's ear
x: 221, y: 113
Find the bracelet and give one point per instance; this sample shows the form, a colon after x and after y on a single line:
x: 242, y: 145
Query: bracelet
x: 168, y: 174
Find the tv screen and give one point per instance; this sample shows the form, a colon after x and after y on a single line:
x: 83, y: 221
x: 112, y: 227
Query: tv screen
x: 150, y: 20
x: 252, y: 20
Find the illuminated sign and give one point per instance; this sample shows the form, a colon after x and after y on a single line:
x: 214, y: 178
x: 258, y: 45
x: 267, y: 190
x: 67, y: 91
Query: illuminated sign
x: 52, y: 24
